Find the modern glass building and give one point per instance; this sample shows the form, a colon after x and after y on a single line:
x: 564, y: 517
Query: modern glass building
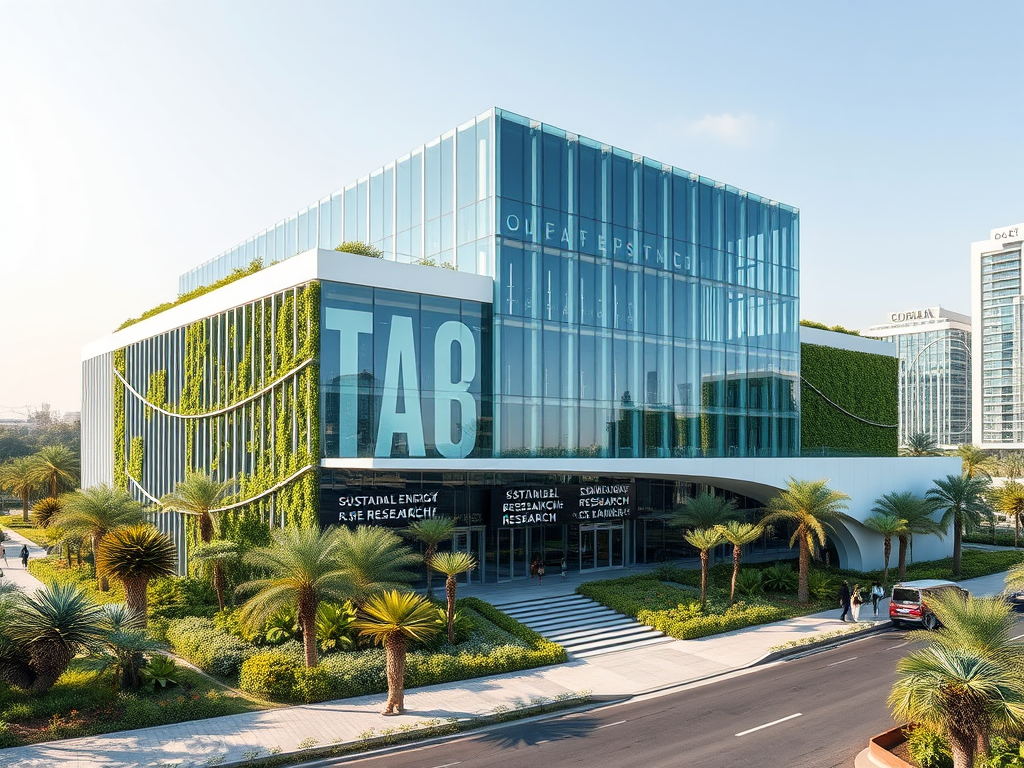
x: 934, y: 348
x: 553, y: 322
x: 997, y: 300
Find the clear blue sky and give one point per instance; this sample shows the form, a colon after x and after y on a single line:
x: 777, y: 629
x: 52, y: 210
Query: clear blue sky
x: 138, y: 139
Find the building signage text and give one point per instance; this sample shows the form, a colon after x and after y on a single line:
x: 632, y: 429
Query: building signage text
x: 910, y: 314
x: 556, y: 504
x: 383, y: 507
x: 1013, y: 233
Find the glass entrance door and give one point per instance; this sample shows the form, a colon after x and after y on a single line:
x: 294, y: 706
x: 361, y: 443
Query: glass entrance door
x: 513, y: 561
x: 601, y: 546
x: 471, y: 541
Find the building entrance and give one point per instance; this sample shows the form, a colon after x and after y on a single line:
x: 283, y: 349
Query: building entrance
x: 519, y: 547
x: 601, y: 546
x: 471, y: 541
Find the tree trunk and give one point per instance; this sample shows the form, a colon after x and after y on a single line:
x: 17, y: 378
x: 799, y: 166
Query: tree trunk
x: 1016, y: 529
x: 887, y: 549
x: 803, y: 592
x: 394, y: 654
x: 307, y: 620
x: 427, y: 556
x: 24, y: 507
x: 449, y: 588
x: 104, y: 585
x: 902, y: 568
x: 958, y: 533
x: 736, y: 549
x: 704, y: 557
x: 205, y: 528
x: 50, y: 660
x: 135, y: 596
x: 963, y: 748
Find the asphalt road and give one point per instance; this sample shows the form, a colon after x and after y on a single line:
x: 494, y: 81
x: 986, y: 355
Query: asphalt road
x: 817, y: 711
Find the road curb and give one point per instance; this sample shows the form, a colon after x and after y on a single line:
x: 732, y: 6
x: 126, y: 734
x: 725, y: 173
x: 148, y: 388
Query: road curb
x: 820, y: 645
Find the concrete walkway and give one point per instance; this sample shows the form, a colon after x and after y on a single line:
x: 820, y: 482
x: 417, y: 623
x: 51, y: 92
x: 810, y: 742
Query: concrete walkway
x: 14, y: 572
x: 237, y: 738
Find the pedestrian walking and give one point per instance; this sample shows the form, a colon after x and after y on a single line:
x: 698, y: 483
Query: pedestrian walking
x: 540, y: 573
x: 564, y: 569
x: 534, y: 567
x: 877, y: 593
x: 856, y: 600
x: 3, y: 553
x: 24, y: 555
x: 844, y: 600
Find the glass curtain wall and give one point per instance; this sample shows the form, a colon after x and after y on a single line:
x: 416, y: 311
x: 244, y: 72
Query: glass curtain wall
x: 1000, y: 346
x: 935, y: 385
x: 433, y: 206
x: 640, y: 310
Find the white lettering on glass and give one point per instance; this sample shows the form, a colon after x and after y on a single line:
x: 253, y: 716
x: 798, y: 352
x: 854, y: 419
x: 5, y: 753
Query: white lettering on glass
x: 349, y: 323
x: 447, y: 392
x: 400, y: 375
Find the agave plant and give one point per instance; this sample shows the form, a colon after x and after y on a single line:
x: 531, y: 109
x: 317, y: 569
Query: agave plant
x: 42, y: 632
x: 124, y: 646
x: 160, y: 671
x: 134, y: 556
x: 334, y: 626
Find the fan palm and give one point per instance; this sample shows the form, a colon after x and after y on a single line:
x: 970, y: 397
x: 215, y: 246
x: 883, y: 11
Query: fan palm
x: 738, y: 534
x: 451, y: 564
x: 1015, y: 579
x: 920, y: 444
x: 704, y: 540
x: 55, y: 468
x: 392, y: 619
x: 967, y: 682
x: 375, y: 559
x: 810, y: 506
x: 134, y: 555
x: 917, y: 512
x: 1012, y: 466
x: 44, y: 510
x: 44, y: 631
x: 303, y: 567
x: 705, y: 510
x: 886, y: 526
x: 18, y: 477
x: 199, y: 496
x: 124, y: 646
x: 962, y: 500
x: 975, y: 461
x: 217, y: 554
x: 431, y: 532
x: 94, y: 512
x: 1009, y: 499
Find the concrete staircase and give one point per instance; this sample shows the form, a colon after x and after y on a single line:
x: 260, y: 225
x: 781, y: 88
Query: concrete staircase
x: 581, y: 626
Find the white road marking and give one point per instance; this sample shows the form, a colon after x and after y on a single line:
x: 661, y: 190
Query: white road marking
x: 448, y: 765
x: 841, y: 662
x: 1018, y: 637
x: 542, y: 741
x: 767, y: 725
x: 609, y: 725
x: 894, y: 647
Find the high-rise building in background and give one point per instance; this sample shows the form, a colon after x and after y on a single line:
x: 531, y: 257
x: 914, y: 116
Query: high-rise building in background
x: 934, y: 349
x: 997, y: 305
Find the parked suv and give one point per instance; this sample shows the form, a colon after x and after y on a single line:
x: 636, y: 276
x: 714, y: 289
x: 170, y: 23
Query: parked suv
x: 909, y: 602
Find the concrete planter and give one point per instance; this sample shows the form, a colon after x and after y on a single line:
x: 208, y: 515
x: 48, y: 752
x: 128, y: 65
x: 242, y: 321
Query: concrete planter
x: 879, y: 751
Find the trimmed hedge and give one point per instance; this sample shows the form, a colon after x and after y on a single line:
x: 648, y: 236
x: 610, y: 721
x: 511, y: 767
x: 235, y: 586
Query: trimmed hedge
x: 211, y: 649
x: 865, y: 385
x: 499, y: 644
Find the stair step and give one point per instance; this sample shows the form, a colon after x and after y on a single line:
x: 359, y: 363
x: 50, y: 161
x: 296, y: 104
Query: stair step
x: 601, y: 634
x: 596, y: 620
x: 631, y: 646
x: 582, y: 613
x: 541, y: 601
x: 541, y: 605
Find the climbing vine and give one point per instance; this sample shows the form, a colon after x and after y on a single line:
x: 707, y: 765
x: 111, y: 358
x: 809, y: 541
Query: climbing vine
x: 156, y: 392
x: 120, y: 473
x: 135, y: 458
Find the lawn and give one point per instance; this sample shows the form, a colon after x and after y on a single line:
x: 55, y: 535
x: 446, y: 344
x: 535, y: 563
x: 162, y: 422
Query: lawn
x: 83, y: 703
x: 28, y: 530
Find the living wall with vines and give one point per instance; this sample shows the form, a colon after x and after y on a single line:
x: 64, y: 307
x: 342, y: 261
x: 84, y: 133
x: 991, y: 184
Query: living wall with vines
x: 234, y: 396
x: 849, y: 402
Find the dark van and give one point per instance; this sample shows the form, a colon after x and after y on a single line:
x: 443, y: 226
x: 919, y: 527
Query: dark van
x: 909, y: 604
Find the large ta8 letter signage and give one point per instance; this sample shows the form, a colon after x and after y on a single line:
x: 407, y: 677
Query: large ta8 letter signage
x: 400, y: 411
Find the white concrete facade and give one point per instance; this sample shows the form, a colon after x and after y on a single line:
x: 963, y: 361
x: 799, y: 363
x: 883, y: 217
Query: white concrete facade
x: 863, y: 479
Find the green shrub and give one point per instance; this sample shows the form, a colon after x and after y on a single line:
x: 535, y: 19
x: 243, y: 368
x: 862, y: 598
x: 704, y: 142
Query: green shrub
x: 687, y: 576
x: 173, y: 597
x: 313, y: 684
x: 929, y: 748
x: 1006, y: 753
x: 687, y: 622
x: 749, y: 582
x: 632, y: 594
x: 780, y: 577
x: 211, y: 649
x: 821, y: 585
x: 462, y: 629
x: 361, y: 249
x: 269, y: 675
x: 334, y: 626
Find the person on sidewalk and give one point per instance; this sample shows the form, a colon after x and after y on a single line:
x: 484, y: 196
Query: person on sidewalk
x: 844, y: 600
x: 3, y: 554
x: 855, y: 603
x: 877, y: 593
x: 540, y: 574
x: 564, y: 569
x: 24, y: 555
x: 534, y: 565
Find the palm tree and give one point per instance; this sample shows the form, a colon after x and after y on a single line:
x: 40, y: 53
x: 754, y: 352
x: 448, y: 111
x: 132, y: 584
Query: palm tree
x: 967, y: 682
x: 810, y: 505
x: 917, y: 512
x: 303, y: 567
x: 705, y: 510
x: 962, y: 499
x: 124, y: 646
x: 975, y: 461
x: 1012, y: 466
x: 94, y: 512
x: 392, y: 619
x: 375, y: 559
x: 18, y: 477
x: 217, y: 554
x: 44, y: 509
x: 887, y: 526
x: 920, y: 444
x: 199, y: 496
x: 55, y: 468
x: 1009, y: 499
x: 452, y: 564
x: 738, y: 534
x: 703, y: 539
x: 43, y: 632
x: 134, y: 555
x: 431, y: 532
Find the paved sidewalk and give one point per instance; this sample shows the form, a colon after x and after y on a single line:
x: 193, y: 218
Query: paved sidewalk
x: 224, y: 740
x: 14, y: 572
